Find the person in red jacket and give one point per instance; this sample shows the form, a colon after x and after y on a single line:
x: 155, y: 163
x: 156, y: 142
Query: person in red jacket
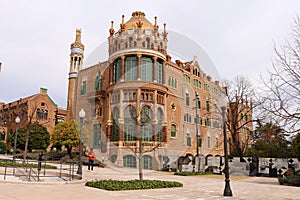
x: 91, y: 157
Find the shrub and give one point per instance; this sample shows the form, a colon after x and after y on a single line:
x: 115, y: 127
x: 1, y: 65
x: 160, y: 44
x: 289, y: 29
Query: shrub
x: 115, y: 185
x: 291, y: 177
x: 192, y: 173
x: 2, y: 148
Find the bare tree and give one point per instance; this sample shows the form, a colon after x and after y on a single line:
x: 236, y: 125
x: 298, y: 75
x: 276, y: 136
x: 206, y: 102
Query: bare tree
x: 281, y: 95
x: 239, y: 93
x: 142, y: 118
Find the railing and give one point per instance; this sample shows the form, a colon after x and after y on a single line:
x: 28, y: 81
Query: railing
x: 38, y: 172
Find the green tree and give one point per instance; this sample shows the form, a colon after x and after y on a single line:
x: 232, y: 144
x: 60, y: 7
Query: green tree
x: 65, y: 134
x: 269, y: 141
x: 295, y: 146
x: 39, y: 137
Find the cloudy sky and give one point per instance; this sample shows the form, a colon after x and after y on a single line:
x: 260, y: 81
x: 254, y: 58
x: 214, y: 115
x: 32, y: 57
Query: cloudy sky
x: 35, y: 36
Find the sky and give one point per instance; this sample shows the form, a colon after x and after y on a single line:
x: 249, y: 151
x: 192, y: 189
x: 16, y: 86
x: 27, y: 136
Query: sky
x: 35, y: 36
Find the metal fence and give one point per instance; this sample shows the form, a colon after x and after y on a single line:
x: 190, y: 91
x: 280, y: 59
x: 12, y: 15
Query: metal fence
x: 32, y: 170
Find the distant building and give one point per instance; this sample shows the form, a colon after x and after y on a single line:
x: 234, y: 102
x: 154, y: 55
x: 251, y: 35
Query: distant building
x: 38, y: 107
x: 141, y: 92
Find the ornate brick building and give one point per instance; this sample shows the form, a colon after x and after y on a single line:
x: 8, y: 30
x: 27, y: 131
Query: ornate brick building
x: 38, y: 107
x: 140, y: 92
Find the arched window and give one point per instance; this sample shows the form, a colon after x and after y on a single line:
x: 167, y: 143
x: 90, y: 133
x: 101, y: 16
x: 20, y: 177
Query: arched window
x: 131, y: 44
x: 160, y: 116
x: 173, y: 130
x: 129, y: 161
x: 131, y: 68
x: 146, y: 124
x: 147, y: 69
x: 115, y: 127
x: 147, y: 162
x: 148, y: 43
x: 117, y: 70
x: 98, y: 82
x: 130, y: 124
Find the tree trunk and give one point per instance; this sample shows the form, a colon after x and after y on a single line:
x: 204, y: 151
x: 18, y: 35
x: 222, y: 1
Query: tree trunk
x: 140, y: 157
x: 26, y: 146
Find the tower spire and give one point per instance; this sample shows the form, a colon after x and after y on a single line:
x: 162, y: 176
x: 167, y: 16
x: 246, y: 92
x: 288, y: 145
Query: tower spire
x: 76, y: 60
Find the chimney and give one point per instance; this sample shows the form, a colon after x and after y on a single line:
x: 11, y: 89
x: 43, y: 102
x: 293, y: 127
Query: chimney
x: 43, y: 91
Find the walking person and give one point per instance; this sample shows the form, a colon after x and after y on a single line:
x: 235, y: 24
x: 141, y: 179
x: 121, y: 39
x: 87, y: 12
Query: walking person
x: 91, y: 157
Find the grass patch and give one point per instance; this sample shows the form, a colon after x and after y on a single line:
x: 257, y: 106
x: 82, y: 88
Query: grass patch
x: 28, y: 165
x: 193, y: 173
x: 116, y: 185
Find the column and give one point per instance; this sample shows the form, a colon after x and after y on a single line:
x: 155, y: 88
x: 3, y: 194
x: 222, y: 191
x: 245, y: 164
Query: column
x: 139, y: 66
x: 154, y: 69
x: 122, y: 68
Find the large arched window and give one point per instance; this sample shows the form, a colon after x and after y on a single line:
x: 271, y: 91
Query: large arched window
x: 129, y: 161
x: 160, y: 115
x: 159, y: 72
x: 147, y: 69
x: 115, y: 127
x: 130, y: 124
x: 131, y: 68
x: 147, y: 162
x: 117, y: 70
x: 146, y: 124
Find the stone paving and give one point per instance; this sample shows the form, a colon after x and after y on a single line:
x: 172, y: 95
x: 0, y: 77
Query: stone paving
x: 199, y: 187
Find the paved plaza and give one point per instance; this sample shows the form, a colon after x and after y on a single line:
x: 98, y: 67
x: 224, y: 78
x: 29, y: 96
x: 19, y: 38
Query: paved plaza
x: 200, y: 187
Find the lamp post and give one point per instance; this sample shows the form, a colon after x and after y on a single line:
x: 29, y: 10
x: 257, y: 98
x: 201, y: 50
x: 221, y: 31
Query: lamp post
x: 17, y: 120
x: 227, y: 190
x: 197, y: 119
x: 81, y: 116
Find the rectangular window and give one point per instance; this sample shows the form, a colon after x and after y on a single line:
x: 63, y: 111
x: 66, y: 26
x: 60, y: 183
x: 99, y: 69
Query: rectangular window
x: 208, y: 142
x: 207, y: 106
x: 199, y: 141
x: 187, y: 99
x: 172, y: 82
x: 97, y: 136
x: 188, y: 141
x: 159, y: 72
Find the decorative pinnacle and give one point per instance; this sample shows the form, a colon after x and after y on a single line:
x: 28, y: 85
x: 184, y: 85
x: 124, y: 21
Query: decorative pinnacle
x: 111, y: 30
x: 155, y: 23
x: 165, y: 31
x: 122, y: 26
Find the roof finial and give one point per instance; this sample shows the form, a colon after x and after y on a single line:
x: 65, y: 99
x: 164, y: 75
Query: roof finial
x: 111, y: 30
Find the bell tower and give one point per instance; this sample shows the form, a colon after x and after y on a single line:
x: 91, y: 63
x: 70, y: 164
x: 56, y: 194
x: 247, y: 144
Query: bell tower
x: 76, y: 60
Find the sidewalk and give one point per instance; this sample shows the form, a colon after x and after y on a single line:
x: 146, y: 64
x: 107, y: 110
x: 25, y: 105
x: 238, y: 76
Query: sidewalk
x: 200, y: 187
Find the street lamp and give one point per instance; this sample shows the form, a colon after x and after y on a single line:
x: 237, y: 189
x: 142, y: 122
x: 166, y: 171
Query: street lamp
x: 197, y: 119
x: 81, y: 116
x: 227, y: 190
x: 17, y: 120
